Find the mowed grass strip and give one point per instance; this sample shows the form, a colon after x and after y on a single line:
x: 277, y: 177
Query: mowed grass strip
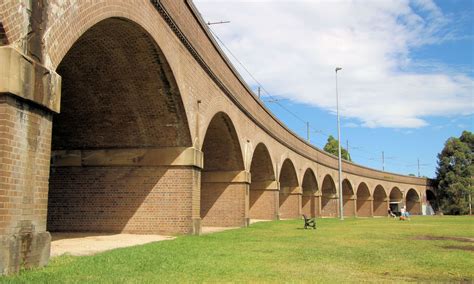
x: 436, y: 249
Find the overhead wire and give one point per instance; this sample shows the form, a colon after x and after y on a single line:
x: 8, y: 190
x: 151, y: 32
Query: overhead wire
x: 276, y: 100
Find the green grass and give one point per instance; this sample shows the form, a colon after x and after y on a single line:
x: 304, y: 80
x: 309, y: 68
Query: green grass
x: 354, y: 250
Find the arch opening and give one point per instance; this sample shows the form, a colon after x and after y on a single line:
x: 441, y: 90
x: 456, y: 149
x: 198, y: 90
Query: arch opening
x: 396, y: 200
x: 348, y: 200
x: 413, y: 202
x: 264, y: 188
x: 328, y: 198
x: 114, y: 112
x: 290, y: 193
x: 309, y: 202
x: 431, y: 203
x: 380, y: 201
x: 224, y: 182
x: 364, y: 202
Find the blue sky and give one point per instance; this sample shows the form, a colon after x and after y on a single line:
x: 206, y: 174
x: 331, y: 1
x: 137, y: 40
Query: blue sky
x: 407, y: 79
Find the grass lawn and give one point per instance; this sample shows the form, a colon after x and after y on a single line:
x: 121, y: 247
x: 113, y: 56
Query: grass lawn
x: 353, y: 250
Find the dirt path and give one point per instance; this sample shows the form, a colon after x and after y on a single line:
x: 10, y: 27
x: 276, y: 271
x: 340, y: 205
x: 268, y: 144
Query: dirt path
x: 90, y: 243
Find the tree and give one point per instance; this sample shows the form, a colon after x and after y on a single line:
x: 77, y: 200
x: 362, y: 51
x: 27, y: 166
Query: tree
x: 455, y: 173
x: 331, y: 147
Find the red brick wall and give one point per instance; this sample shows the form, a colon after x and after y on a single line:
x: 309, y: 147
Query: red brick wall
x: 142, y: 200
x: 223, y: 204
x: 329, y: 207
x: 25, y: 137
x: 308, y: 204
x: 380, y: 208
x: 289, y: 205
x: 413, y: 207
x: 349, y: 209
x: 364, y: 208
x: 262, y: 204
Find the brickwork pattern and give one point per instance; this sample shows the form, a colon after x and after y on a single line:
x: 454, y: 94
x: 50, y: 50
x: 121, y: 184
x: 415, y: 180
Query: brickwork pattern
x: 140, y: 200
x: 262, y: 204
x: 308, y: 204
x: 290, y: 205
x: 380, y: 208
x: 349, y: 207
x: 223, y: 204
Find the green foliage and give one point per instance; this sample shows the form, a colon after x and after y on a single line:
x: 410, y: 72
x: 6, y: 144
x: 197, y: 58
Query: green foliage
x: 455, y: 174
x: 331, y: 147
x: 376, y: 250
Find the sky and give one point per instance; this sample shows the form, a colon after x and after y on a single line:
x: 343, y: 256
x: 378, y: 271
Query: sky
x: 407, y: 78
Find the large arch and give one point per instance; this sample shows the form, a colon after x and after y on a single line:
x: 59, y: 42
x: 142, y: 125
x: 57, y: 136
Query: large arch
x: 328, y: 198
x: 290, y: 192
x: 224, y: 182
x: 309, y: 204
x: 431, y: 202
x: 263, y: 197
x: 413, y: 202
x: 364, y: 202
x: 396, y: 200
x: 111, y: 143
x: 348, y: 198
x: 380, y: 202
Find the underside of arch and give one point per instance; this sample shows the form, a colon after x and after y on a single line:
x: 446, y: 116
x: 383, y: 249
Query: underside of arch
x: 263, y: 197
x: 380, y: 202
x: 224, y: 183
x: 328, y: 198
x: 413, y: 202
x: 290, y: 192
x: 348, y: 200
x: 121, y: 123
x: 364, y: 201
x: 309, y: 202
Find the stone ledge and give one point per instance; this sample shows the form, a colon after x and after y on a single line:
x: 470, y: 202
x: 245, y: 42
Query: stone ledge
x: 173, y: 156
x: 23, y: 77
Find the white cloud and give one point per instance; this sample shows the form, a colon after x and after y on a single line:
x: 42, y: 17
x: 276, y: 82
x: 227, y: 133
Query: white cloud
x: 292, y: 48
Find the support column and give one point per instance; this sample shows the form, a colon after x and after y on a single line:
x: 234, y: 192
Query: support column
x: 29, y: 95
x: 224, y: 198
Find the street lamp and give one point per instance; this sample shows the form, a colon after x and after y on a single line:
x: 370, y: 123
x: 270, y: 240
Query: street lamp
x: 341, y: 207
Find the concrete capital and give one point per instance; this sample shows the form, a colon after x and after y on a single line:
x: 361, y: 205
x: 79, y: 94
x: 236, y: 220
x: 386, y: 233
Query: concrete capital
x: 271, y: 185
x: 171, y: 156
x: 25, y: 78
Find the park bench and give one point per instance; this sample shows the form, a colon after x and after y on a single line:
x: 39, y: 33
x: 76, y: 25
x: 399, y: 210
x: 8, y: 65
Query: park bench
x: 309, y: 222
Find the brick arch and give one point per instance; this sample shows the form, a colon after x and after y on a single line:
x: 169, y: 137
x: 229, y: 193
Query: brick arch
x: 348, y: 198
x: 396, y: 199
x: 413, y: 202
x: 328, y: 197
x: 309, y: 202
x: 263, y: 188
x: 380, y: 201
x: 223, y: 181
x: 97, y: 147
x: 100, y: 71
x: 290, y: 193
x: 364, y: 202
x: 431, y: 202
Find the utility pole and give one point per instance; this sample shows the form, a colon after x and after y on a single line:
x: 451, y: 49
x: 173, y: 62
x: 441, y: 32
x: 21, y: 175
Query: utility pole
x: 258, y: 90
x: 347, y: 148
x: 383, y: 161
x: 341, y: 207
x: 418, y: 167
x: 307, y: 130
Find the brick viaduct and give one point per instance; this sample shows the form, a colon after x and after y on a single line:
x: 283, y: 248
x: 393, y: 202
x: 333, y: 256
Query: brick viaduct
x: 125, y: 116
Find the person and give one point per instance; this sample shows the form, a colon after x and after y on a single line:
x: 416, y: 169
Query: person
x: 403, y: 211
x: 391, y: 214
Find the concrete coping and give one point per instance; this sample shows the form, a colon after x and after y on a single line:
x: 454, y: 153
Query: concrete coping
x: 171, y: 156
x: 23, y: 77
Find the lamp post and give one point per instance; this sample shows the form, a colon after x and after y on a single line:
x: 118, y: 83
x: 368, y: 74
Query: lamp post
x: 341, y: 207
